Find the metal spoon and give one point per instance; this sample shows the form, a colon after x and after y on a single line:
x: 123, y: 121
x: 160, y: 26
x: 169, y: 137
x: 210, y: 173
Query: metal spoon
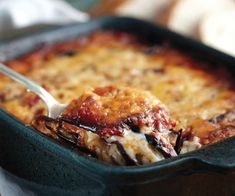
x: 54, y: 107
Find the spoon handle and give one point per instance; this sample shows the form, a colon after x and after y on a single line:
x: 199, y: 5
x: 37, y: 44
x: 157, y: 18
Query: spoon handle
x: 32, y: 86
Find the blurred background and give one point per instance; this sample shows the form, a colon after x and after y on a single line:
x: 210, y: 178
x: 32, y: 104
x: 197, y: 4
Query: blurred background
x: 210, y: 21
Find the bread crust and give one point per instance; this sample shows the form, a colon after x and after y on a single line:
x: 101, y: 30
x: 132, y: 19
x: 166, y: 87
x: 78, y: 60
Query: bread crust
x: 164, y: 17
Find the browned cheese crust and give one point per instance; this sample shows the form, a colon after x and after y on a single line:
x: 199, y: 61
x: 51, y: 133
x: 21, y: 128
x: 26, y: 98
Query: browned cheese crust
x: 199, y: 96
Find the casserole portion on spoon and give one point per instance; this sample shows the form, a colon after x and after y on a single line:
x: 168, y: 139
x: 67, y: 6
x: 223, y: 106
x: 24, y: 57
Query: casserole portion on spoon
x: 119, y: 125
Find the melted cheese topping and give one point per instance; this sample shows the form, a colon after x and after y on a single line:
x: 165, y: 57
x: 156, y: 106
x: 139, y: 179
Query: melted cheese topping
x: 192, y: 90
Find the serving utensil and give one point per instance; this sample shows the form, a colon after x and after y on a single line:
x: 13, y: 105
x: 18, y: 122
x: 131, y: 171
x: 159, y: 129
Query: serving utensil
x: 54, y: 107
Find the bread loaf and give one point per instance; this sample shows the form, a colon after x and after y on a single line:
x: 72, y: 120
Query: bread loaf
x: 183, y: 16
x: 217, y: 29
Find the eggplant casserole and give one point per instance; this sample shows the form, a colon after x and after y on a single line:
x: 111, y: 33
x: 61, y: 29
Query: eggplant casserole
x: 130, y: 103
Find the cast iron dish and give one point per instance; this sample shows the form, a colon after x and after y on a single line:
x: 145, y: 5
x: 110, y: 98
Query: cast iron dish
x: 35, y: 157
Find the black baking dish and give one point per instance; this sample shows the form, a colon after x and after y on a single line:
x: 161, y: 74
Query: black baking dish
x: 37, y: 158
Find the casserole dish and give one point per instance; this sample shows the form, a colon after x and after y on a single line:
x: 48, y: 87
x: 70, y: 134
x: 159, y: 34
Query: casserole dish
x: 47, y: 162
